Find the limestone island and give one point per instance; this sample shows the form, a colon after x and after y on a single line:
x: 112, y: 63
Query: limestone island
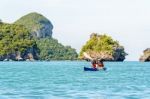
x: 30, y: 38
x: 103, y: 47
x: 146, y: 55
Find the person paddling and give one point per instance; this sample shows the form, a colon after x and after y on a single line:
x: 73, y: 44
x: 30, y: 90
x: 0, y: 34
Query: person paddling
x: 97, y: 64
x: 100, y: 64
x: 94, y: 64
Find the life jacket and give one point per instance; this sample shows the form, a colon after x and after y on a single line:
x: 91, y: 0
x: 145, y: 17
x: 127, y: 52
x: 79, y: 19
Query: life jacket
x: 94, y: 65
x: 101, y: 65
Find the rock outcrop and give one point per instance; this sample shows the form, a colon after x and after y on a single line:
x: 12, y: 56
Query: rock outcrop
x: 30, y: 54
x: 37, y: 24
x: 146, y: 55
x: 103, y: 47
x: 30, y: 38
x: 119, y: 53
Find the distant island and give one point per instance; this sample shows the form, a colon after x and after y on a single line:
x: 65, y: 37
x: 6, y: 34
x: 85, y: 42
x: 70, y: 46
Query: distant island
x: 146, y: 55
x: 30, y: 38
x: 103, y: 47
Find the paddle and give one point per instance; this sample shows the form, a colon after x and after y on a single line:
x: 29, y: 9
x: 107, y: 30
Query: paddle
x: 87, y: 56
x: 90, y: 58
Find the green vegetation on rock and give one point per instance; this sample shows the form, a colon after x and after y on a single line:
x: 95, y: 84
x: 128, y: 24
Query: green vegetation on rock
x: 105, y: 46
x: 30, y: 38
x: 38, y: 25
x: 32, y: 20
x: 50, y: 49
x: 14, y: 38
x: 99, y: 43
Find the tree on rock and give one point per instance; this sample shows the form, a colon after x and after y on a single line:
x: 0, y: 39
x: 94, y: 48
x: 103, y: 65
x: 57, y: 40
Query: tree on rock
x: 103, y: 47
x: 14, y: 38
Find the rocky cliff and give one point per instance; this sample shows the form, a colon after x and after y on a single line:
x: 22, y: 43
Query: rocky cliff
x: 146, y: 55
x: 30, y: 38
x: 103, y: 47
x: 37, y: 24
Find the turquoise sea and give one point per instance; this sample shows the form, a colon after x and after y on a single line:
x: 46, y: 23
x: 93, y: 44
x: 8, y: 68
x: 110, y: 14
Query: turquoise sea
x: 67, y: 80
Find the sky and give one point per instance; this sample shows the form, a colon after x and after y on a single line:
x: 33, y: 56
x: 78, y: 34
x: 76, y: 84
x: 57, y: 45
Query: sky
x: 127, y: 21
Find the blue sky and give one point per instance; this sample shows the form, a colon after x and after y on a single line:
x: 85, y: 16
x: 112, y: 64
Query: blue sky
x: 127, y: 21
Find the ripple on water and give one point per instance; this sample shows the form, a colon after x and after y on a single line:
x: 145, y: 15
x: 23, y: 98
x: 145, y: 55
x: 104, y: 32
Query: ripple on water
x: 67, y: 80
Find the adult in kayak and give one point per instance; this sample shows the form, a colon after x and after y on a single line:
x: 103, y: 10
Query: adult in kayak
x: 94, y: 63
x: 98, y: 64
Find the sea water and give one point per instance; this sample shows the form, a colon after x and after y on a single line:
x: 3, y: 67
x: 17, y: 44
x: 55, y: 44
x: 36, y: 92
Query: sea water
x: 67, y: 80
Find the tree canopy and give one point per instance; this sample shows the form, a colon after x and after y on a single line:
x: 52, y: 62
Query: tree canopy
x: 99, y: 43
x: 32, y: 35
x: 50, y: 49
x: 103, y: 47
x: 33, y: 21
x: 14, y: 38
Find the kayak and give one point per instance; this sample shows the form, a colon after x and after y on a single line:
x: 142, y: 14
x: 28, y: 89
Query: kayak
x: 90, y: 69
x: 93, y: 69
